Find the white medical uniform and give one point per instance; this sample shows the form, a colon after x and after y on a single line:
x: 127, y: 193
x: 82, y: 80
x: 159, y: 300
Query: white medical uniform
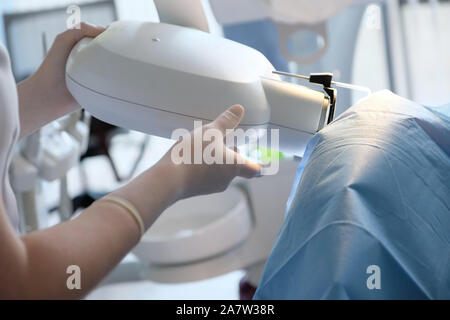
x: 9, y: 134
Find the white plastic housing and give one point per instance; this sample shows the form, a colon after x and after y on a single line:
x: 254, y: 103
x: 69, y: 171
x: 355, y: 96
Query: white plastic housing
x: 156, y: 77
x: 197, y: 228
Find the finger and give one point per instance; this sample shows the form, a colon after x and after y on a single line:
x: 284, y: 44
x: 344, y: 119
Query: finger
x: 72, y: 36
x: 249, y: 170
x: 246, y: 168
x: 90, y: 30
x: 67, y: 40
x: 87, y: 30
x: 229, y: 120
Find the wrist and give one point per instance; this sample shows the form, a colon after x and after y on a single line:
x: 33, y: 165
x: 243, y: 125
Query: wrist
x: 153, y: 191
x: 173, y: 177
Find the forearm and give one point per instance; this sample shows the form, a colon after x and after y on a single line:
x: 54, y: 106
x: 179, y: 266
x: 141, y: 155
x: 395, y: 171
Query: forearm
x: 96, y: 241
x: 38, y: 104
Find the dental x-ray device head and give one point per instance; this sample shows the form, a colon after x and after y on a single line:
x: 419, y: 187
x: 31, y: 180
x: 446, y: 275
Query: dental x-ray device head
x: 157, y: 77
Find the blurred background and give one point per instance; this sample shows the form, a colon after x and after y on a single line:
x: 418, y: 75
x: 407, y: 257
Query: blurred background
x: 399, y: 45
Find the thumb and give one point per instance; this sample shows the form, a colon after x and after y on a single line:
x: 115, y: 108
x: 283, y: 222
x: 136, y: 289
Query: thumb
x: 230, y: 119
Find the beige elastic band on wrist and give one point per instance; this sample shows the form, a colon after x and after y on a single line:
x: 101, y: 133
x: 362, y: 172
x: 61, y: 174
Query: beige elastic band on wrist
x: 128, y: 206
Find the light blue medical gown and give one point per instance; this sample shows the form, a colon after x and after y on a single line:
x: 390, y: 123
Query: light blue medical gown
x: 373, y: 189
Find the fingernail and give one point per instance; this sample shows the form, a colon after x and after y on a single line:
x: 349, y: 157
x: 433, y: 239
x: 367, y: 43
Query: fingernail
x: 237, y: 110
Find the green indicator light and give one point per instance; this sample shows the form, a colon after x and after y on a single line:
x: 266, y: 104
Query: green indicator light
x: 267, y: 155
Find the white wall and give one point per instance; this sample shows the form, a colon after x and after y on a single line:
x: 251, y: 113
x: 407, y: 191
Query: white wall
x: 137, y: 10
x: 127, y: 9
x: 428, y: 52
x: 370, y: 67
